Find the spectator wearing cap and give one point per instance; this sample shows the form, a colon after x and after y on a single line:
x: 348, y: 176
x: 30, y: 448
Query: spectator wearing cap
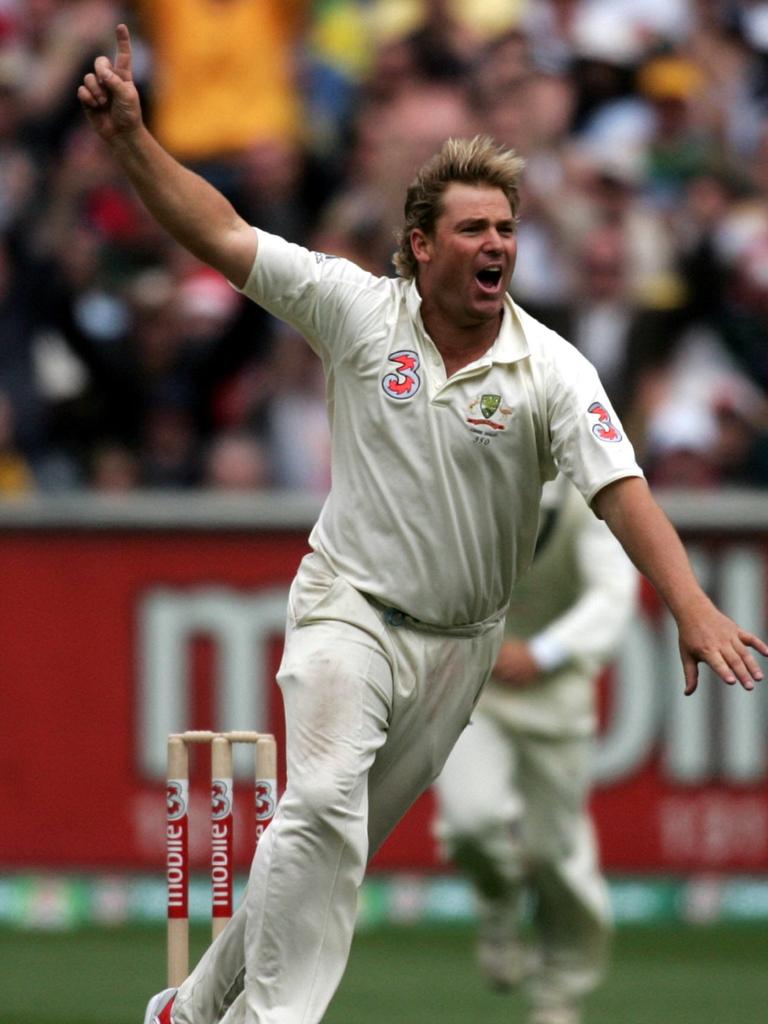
x: 680, y: 448
x: 681, y: 144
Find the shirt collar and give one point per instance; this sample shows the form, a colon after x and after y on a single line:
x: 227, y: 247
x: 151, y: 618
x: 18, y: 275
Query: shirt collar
x: 511, y: 343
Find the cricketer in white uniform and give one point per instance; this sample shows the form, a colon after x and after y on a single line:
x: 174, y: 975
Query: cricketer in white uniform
x: 512, y: 796
x: 449, y: 408
x: 395, y: 619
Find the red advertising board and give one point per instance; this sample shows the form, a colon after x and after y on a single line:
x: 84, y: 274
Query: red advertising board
x: 113, y: 637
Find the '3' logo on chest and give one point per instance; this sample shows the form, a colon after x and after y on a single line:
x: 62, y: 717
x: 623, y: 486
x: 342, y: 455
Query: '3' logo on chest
x: 403, y: 382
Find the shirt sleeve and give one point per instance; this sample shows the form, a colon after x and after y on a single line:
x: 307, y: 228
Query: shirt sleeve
x: 588, y: 442
x: 331, y: 301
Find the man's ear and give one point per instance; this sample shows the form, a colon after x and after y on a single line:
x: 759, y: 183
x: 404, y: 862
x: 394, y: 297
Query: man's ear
x: 421, y: 244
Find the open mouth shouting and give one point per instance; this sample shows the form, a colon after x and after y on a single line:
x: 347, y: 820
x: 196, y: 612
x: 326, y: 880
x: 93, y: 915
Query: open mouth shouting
x: 490, y: 278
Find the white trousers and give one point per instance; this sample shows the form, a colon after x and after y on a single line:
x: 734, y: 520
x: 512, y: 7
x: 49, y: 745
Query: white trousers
x: 371, y: 711
x: 513, y: 814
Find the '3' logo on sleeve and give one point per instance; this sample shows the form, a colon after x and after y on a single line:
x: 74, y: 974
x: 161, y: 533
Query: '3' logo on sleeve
x: 604, y: 428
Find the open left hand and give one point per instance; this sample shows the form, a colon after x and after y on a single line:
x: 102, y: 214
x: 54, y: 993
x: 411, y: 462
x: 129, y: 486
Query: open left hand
x: 709, y: 636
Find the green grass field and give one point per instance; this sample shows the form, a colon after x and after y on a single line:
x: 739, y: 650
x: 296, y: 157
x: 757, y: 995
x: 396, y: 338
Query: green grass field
x: 419, y: 975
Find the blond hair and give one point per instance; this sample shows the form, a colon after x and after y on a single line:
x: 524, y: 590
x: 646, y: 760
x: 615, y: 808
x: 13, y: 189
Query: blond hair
x: 477, y: 161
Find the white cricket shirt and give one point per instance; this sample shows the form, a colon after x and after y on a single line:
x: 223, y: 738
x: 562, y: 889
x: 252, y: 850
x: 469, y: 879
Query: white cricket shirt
x: 436, y: 482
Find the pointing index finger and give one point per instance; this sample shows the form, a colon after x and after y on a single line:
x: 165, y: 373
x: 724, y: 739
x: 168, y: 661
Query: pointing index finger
x: 123, y: 54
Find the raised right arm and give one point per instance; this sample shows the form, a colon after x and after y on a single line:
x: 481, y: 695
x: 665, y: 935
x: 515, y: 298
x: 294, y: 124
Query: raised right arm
x: 190, y: 209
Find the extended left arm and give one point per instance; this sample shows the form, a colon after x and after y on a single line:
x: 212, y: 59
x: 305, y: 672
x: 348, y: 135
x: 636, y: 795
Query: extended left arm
x: 650, y: 540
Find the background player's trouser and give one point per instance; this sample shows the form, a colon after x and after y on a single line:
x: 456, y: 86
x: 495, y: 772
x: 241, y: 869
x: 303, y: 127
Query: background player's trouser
x: 371, y: 713
x: 513, y: 814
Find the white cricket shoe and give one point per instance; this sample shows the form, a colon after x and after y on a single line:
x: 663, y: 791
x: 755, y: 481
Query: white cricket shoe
x: 502, y: 958
x: 159, y: 1007
x: 504, y: 963
x: 555, y: 1015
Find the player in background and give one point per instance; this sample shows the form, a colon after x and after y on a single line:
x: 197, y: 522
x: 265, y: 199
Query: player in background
x: 512, y: 797
x: 449, y: 408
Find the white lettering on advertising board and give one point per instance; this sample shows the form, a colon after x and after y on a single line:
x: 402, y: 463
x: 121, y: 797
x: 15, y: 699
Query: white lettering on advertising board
x: 717, y: 735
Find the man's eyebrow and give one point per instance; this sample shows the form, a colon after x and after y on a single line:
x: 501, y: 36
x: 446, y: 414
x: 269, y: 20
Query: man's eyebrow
x: 469, y: 222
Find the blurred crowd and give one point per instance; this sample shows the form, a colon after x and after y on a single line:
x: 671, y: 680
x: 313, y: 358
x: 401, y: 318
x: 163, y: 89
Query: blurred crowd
x: 643, y: 236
